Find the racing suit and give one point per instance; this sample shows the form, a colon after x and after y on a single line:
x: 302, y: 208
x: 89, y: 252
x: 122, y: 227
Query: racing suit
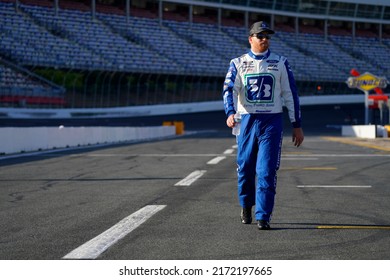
x: 258, y: 86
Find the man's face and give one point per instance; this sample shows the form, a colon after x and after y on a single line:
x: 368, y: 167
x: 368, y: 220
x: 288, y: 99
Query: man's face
x: 259, y: 42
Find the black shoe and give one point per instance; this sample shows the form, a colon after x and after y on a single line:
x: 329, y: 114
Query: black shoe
x: 246, y: 215
x: 263, y: 225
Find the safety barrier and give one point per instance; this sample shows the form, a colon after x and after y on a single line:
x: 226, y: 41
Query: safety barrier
x: 29, y: 139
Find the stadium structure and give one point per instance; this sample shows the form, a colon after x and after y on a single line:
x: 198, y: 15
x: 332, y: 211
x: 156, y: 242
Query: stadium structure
x: 122, y: 53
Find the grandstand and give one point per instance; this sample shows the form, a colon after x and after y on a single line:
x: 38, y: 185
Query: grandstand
x: 110, y: 53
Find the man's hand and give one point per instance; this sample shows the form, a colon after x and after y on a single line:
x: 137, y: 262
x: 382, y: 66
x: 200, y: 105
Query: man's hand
x: 230, y: 121
x: 297, y: 136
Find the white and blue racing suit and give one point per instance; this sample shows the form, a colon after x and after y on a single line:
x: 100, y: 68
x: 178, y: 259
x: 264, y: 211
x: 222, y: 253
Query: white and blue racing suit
x: 258, y: 87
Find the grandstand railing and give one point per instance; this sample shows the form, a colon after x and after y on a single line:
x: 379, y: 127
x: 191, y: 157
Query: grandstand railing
x: 113, y: 60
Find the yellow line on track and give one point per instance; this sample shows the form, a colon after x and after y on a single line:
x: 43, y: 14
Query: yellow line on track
x: 356, y: 143
x: 354, y: 227
x: 310, y: 168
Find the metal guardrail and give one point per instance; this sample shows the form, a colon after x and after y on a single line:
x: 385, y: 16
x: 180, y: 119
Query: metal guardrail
x: 109, y: 89
x: 153, y: 110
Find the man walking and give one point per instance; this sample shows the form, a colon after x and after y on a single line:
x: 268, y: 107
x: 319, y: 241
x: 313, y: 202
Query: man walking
x: 256, y: 87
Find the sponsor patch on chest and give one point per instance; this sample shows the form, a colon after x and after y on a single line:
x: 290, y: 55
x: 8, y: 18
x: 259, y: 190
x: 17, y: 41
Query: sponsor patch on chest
x: 272, y: 67
x: 248, y: 65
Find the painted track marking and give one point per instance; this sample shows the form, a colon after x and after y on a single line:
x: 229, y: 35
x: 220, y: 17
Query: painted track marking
x: 216, y: 160
x: 228, y: 151
x: 353, y: 227
x: 192, y: 177
x: 310, y: 168
x: 357, y: 143
x: 332, y: 186
x: 96, y: 246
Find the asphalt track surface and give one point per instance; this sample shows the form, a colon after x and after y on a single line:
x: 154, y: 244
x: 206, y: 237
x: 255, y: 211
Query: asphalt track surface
x: 176, y: 199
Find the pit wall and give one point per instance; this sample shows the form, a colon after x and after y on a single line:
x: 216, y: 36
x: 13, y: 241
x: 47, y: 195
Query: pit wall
x: 28, y: 139
x: 18, y: 140
x: 365, y: 131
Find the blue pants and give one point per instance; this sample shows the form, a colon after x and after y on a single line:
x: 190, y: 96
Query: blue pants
x: 259, y: 149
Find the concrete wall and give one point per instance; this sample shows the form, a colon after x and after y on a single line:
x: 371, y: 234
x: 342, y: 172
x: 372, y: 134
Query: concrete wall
x: 16, y: 140
x: 28, y: 139
x: 364, y: 131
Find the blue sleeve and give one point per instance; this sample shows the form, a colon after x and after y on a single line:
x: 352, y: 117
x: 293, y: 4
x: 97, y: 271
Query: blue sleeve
x: 228, y: 99
x: 294, y: 92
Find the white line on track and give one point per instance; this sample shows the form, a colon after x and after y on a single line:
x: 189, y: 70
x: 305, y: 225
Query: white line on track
x: 298, y: 158
x: 93, y: 248
x: 228, y: 151
x: 301, y: 157
x: 216, y: 160
x: 340, y: 155
x: 187, y: 181
x: 332, y: 186
x: 152, y: 155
